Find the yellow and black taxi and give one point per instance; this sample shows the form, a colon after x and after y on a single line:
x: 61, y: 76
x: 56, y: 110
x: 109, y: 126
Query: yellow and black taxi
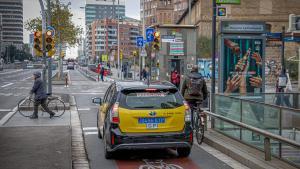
x: 137, y: 115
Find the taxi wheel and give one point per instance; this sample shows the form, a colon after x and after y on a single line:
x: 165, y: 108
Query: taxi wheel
x: 183, y: 152
x: 107, y: 154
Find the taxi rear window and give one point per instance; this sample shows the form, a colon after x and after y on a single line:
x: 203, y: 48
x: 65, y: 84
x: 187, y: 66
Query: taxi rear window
x: 151, y: 99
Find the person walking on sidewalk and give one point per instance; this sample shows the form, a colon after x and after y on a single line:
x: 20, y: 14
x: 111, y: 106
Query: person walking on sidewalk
x: 102, y: 73
x: 40, y: 96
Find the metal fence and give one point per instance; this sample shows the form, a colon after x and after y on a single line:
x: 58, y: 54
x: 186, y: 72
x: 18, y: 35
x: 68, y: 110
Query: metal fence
x: 257, y: 113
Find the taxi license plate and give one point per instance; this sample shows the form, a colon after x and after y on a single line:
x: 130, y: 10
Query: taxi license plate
x: 151, y: 125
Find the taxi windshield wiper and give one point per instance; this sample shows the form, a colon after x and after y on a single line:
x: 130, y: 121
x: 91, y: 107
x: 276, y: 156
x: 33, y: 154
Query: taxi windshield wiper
x: 144, y: 107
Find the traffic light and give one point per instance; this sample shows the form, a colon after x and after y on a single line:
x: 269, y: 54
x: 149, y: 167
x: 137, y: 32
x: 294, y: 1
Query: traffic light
x: 37, y: 43
x: 156, y: 41
x: 134, y: 53
x: 49, y: 41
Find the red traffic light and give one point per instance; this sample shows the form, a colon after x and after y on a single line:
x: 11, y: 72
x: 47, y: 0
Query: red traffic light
x: 37, y: 34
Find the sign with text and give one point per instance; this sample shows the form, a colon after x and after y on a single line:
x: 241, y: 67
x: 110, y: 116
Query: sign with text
x: 177, y: 48
x: 168, y: 38
x: 242, y: 27
x: 228, y: 1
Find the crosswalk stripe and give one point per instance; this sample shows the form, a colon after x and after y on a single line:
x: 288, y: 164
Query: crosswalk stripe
x: 89, y: 128
x: 90, y: 133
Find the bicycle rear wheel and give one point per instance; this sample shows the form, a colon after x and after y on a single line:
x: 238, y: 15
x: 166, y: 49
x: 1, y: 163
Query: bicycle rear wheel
x: 25, y: 107
x: 199, y: 130
x: 57, y: 106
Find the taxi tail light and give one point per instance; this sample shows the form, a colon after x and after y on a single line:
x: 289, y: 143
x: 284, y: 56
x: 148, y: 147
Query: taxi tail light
x: 115, y: 114
x: 188, y: 114
x: 112, y: 139
x: 191, y: 137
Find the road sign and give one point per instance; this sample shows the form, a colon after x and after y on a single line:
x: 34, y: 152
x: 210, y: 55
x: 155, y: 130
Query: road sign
x: 139, y: 41
x: 168, y: 38
x: 228, y: 1
x: 50, y: 28
x: 221, y: 11
x: 149, y: 34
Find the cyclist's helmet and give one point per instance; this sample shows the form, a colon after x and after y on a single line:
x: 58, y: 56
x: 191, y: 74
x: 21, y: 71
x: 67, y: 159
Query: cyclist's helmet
x: 37, y: 74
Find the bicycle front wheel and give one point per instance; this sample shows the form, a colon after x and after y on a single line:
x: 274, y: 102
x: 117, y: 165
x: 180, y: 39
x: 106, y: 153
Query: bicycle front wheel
x: 199, y: 130
x: 57, y: 106
x: 25, y: 107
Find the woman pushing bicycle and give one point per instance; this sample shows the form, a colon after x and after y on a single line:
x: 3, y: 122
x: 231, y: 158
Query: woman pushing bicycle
x: 40, y: 96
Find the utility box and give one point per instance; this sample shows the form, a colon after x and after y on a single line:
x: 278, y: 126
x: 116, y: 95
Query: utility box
x: 177, y: 50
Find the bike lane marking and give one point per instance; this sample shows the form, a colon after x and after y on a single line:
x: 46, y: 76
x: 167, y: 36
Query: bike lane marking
x: 7, y: 84
x: 174, y: 163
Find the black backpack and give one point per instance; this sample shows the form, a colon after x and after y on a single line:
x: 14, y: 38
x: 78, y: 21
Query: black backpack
x: 194, y: 86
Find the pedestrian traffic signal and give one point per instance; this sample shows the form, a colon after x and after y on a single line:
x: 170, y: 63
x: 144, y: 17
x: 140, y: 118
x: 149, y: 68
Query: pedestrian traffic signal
x: 37, y: 43
x: 49, y: 40
x: 156, y: 41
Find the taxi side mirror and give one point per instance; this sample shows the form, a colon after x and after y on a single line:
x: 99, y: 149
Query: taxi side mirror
x: 97, y: 100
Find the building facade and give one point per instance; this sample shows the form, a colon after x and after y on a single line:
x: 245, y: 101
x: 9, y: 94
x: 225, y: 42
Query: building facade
x: 162, y: 11
x: 100, y: 9
x: 104, y: 38
x: 275, y: 13
x: 12, y: 23
x: 97, y: 10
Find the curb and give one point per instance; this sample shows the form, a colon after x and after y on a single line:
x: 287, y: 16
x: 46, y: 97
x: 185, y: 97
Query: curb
x: 79, y: 155
x: 242, y: 153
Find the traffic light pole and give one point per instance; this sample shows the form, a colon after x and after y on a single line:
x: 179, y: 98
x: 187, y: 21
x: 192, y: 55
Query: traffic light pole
x: 43, y: 41
x: 49, y: 58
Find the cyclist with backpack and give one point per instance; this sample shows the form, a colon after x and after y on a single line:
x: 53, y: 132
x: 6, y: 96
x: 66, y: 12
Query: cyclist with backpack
x: 194, y: 88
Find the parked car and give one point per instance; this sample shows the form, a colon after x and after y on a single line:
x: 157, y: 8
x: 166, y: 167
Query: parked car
x: 135, y: 115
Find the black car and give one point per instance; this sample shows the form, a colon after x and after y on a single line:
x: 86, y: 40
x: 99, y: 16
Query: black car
x: 135, y: 115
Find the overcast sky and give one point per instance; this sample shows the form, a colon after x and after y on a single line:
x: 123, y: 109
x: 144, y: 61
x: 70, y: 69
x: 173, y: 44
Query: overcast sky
x: 31, y: 9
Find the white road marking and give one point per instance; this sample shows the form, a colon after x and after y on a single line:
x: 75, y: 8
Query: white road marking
x: 5, y: 109
x: 89, y: 128
x: 90, y: 93
x: 91, y: 133
x: 27, y: 78
x: 81, y: 109
x: 7, y: 84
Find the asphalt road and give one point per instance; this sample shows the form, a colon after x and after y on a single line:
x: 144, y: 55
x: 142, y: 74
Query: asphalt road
x: 15, y: 84
x: 84, y: 91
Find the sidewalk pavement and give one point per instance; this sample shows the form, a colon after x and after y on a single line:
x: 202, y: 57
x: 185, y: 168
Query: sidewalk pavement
x: 41, y: 143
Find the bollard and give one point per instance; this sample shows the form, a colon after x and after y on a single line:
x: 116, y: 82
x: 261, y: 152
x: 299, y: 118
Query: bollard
x: 66, y: 80
x: 267, y: 147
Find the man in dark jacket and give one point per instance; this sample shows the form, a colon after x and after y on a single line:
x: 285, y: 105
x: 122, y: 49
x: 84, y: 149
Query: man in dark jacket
x: 40, y: 96
x: 194, y: 88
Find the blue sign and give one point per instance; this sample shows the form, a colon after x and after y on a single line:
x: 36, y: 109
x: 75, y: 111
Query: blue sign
x: 292, y: 39
x: 139, y: 41
x: 149, y: 34
x: 50, y: 28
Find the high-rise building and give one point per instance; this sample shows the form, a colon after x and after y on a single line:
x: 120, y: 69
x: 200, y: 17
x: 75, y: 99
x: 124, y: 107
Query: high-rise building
x: 162, y: 11
x: 12, y: 22
x: 97, y: 10
x: 105, y: 35
x: 101, y: 9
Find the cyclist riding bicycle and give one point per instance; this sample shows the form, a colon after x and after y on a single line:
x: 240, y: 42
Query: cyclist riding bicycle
x: 40, y: 96
x: 194, y: 88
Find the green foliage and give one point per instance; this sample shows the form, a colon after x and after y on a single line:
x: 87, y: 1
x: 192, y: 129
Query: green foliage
x: 204, y: 47
x: 61, y: 20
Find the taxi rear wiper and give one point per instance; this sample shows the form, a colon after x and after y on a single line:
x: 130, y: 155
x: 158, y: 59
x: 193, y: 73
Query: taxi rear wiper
x: 144, y: 107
